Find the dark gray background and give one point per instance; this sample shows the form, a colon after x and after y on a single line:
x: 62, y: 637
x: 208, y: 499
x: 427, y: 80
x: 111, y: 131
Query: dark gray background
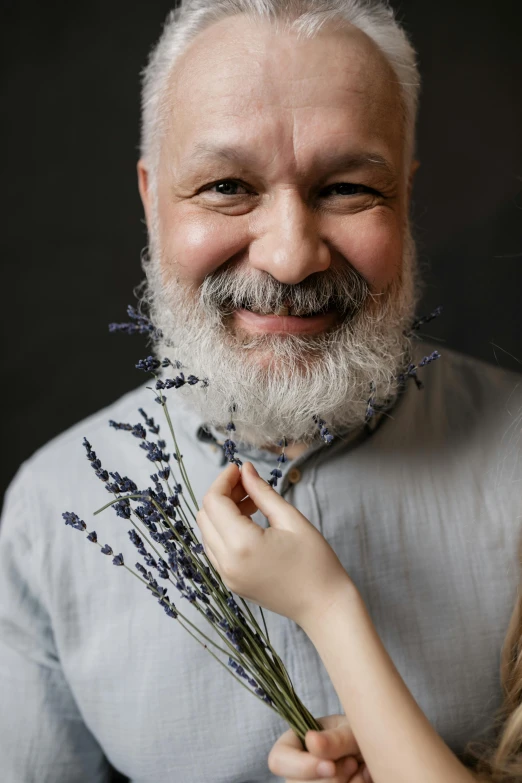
x: 73, y: 227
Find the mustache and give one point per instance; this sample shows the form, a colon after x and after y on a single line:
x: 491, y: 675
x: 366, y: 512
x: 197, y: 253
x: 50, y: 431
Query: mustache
x: 341, y: 288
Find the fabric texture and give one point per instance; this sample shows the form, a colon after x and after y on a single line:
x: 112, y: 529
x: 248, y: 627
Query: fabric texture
x: 424, y: 513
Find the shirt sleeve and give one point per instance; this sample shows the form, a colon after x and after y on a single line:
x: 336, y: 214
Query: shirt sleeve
x: 42, y: 735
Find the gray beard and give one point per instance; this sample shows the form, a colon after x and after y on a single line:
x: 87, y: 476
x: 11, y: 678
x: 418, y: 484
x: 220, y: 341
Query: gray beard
x: 272, y: 385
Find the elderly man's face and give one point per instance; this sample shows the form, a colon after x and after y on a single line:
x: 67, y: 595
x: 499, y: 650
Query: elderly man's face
x: 281, y: 160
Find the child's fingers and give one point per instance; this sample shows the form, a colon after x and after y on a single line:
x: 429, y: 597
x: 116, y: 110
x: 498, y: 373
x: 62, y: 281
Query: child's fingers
x: 332, y: 743
x: 247, y: 507
x: 287, y: 759
x: 240, y: 497
x: 226, y: 481
x: 275, y: 508
x: 359, y: 777
x: 239, y: 493
x: 362, y: 775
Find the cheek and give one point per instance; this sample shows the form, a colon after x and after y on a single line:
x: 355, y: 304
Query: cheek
x: 195, y: 245
x: 373, y: 243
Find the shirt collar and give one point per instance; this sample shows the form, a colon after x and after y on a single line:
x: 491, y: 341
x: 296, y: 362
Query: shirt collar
x: 211, y: 441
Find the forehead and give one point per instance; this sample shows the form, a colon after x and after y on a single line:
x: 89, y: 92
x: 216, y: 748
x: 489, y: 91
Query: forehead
x: 241, y: 82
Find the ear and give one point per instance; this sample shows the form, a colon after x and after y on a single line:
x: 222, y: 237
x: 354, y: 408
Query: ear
x: 413, y: 170
x: 143, y: 186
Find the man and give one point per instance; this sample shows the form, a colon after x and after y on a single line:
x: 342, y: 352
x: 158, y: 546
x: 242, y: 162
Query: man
x: 276, y: 170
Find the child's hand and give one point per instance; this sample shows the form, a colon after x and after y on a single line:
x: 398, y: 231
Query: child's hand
x: 288, y: 568
x: 335, y: 749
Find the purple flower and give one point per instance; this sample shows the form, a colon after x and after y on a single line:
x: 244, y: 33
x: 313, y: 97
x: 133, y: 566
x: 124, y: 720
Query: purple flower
x: 142, y: 325
x: 229, y: 447
x: 125, y: 483
x: 428, y: 359
x: 118, y: 560
x: 276, y: 475
x: 176, y: 382
x: 154, y: 428
x: 426, y: 319
x: 135, y: 539
x: 74, y: 520
x: 150, y: 364
x: 123, y: 508
x: 106, y: 550
x: 323, y: 431
x: 92, y: 537
x: 118, y: 425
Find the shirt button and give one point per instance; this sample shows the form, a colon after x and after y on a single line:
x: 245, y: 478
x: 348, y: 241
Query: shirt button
x: 294, y: 475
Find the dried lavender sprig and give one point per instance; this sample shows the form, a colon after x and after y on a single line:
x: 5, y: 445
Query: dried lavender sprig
x: 281, y: 699
x: 323, y: 430
x: 166, y: 521
x: 141, y: 325
x: 136, y: 496
x: 179, y: 381
x: 411, y: 371
x: 188, y: 485
x: 139, y: 431
x: 426, y: 319
x: 73, y: 520
x: 253, y: 651
x: 286, y: 708
x: 276, y: 660
x: 276, y: 473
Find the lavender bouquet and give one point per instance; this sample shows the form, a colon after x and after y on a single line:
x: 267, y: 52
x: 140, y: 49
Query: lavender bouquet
x: 162, y: 516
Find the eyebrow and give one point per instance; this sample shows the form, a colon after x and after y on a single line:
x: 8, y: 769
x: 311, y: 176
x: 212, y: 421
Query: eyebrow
x: 348, y: 161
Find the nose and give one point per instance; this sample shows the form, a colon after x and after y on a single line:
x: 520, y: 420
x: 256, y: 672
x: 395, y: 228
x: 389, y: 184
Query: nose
x: 289, y: 245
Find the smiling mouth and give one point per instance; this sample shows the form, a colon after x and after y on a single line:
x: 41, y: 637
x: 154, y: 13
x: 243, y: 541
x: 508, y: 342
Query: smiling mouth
x: 285, y: 321
x: 286, y: 310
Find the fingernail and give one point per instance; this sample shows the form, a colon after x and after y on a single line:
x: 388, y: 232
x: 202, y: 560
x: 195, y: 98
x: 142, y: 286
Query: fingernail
x: 366, y: 775
x: 324, y: 769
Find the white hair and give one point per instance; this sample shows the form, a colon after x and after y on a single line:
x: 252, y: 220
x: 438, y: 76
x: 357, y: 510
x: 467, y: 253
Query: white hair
x: 303, y: 17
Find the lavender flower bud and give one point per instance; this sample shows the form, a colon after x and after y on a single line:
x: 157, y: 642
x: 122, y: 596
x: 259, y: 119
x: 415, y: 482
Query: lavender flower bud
x: 74, y: 520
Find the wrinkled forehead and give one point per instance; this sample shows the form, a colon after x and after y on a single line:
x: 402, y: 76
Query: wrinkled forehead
x: 241, y: 80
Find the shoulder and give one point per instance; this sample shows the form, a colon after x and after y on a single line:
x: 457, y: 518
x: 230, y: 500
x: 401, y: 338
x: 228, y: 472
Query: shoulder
x: 466, y: 407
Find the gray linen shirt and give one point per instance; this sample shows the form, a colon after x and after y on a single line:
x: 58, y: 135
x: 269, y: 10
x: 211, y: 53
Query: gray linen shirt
x: 423, y: 512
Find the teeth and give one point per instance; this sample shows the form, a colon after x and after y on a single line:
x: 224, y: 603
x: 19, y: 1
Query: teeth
x: 284, y: 310
x: 281, y: 311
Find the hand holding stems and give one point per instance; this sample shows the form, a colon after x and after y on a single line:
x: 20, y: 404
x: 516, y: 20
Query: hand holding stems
x: 290, y: 569
x: 332, y: 754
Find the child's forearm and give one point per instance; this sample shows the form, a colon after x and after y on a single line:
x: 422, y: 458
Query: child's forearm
x: 396, y: 739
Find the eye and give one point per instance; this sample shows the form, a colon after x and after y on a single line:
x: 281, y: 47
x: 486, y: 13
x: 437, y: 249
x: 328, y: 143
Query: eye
x: 349, y: 189
x: 228, y: 187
